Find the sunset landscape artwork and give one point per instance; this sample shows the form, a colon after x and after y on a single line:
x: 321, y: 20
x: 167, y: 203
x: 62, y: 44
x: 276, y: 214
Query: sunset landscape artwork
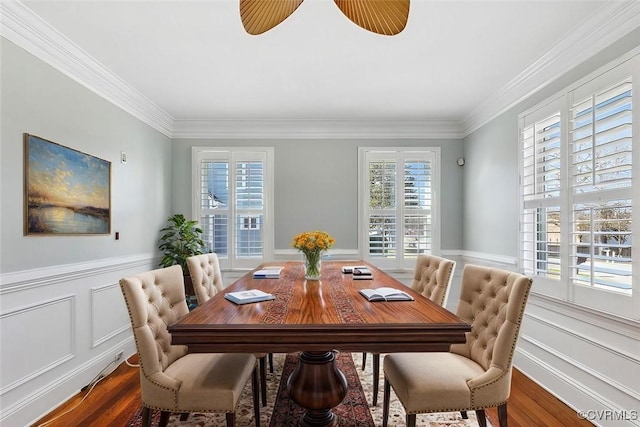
x: 66, y: 191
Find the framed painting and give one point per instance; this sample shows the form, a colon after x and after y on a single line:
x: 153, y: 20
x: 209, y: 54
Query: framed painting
x: 65, y: 191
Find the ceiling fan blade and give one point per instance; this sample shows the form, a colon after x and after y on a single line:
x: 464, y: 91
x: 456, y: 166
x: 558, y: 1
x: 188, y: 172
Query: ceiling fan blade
x: 259, y: 16
x: 387, y: 17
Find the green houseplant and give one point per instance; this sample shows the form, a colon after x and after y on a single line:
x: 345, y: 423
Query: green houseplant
x: 181, y: 238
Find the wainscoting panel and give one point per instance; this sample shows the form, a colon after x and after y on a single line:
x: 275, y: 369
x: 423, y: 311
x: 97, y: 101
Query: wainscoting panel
x: 109, y: 315
x: 50, y: 324
x: 585, y: 364
x: 61, y: 326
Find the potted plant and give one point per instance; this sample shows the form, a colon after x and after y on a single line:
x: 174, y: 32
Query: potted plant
x: 180, y: 239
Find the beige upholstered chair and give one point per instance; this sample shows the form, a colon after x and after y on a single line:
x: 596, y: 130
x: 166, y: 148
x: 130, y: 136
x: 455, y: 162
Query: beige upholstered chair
x: 206, y: 278
x: 431, y: 278
x: 172, y: 380
x: 474, y: 375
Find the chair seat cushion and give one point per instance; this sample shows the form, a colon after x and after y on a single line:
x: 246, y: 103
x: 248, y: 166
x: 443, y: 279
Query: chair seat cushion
x: 211, y: 382
x: 431, y: 382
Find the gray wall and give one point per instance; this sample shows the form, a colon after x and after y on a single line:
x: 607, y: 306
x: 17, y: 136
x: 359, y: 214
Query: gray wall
x: 490, y: 219
x: 327, y: 171
x: 40, y: 100
x: 63, y: 317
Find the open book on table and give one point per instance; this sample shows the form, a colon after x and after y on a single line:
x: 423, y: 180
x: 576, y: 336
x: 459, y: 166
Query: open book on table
x: 246, y: 297
x: 386, y: 294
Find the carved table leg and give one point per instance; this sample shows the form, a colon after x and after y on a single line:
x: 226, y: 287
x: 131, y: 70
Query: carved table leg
x: 317, y: 385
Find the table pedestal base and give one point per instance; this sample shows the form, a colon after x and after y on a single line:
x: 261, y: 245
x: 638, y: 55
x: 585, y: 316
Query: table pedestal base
x: 317, y: 385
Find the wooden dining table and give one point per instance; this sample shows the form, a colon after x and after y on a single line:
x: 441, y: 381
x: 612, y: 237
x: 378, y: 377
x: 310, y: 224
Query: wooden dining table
x: 315, y: 318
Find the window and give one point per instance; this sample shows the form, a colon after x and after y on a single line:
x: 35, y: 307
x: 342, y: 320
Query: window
x: 541, y: 178
x: 577, y: 176
x: 601, y: 178
x: 250, y: 223
x: 398, y: 204
x: 232, y: 189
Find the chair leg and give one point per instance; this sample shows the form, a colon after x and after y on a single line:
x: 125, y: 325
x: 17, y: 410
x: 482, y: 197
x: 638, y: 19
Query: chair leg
x: 376, y: 376
x: 364, y: 360
x: 482, y: 419
x: 164, y: 419
x: 385, y: 402
x: 411, y: 420
x: 146, y: 417
x: 502, y: 415
x: 263, y: 380
x: 231, y: 419
x: 271, y: 362
x: 464, y: 415
x: 256, y: 399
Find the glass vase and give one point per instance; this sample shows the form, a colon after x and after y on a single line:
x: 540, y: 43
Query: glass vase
x: 312, y: 264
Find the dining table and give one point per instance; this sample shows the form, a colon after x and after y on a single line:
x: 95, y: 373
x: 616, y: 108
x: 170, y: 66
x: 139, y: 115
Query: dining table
x: 315, y: 319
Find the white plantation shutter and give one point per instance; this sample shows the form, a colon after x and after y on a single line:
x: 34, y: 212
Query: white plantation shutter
x: 232, y: 189
x: 541, y: 183
x: 399, y: 205
x: 383, y: 178
x: 577, y: 177
x: 249, y: 207
x: 541, y: 149
x: 214, y: 204
x: 601, y: 178
x: 418, y: 200
x: 602, y: 143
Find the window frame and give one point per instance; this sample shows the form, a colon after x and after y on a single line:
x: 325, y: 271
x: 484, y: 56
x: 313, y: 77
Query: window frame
x: 598, y: 299
x: 233, y: 155
x: 404, y: 154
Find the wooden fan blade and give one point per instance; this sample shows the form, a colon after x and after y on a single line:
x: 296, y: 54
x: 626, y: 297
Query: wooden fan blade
x: 387, y: 17
x: 259, y: 16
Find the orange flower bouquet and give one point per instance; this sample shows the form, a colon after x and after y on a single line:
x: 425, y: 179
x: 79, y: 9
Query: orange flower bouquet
x: 312, y: 244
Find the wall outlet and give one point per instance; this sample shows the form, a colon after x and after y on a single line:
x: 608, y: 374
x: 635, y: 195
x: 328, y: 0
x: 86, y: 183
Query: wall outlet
x: 119, y: 356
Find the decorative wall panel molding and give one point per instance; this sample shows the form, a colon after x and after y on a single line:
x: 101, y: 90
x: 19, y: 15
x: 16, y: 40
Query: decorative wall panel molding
x: 615, y: 352
x: 109, y: 317
x: 588, y: 370
x: 561, y: 383
x: 26, y: 279
x: 79, y: 372
x: 507, y: 262
x: 606, y: 321
x: 51, y: 325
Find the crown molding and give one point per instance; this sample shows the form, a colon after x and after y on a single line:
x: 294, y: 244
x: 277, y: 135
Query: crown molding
x: 27, y: 30
x: 610, y: 23
x: 316, y: 129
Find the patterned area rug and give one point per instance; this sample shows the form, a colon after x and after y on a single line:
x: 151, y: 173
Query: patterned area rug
x: 352, y: 412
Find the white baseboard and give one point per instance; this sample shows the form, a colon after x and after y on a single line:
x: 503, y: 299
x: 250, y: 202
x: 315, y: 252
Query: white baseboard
x: 64, y: 387
x: 600, y: 410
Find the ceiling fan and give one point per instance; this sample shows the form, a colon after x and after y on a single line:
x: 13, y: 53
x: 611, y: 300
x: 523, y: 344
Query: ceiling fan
x: 387, y: 17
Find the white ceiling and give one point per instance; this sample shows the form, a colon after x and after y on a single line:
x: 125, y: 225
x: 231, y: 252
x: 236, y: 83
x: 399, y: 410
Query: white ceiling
x: 193, y: 59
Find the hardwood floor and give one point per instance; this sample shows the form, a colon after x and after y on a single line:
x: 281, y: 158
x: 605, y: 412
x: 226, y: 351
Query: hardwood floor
x: 114, y: 400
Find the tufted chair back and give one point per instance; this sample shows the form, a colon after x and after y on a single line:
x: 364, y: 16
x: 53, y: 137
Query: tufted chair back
x: 205, y: 276
x: 492, y: 301
x: 432, y: 277
x: 155, y: 299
